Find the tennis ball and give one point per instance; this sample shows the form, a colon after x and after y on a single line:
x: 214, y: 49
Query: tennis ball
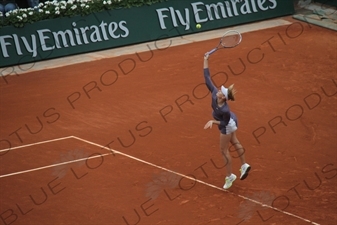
x: 198, y: 26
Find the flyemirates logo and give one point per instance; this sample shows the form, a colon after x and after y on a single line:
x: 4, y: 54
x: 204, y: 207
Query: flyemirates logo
x: 202, y: 12
x: 48, y: 40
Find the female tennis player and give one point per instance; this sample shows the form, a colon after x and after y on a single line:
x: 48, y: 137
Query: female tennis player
x: 227, y: 124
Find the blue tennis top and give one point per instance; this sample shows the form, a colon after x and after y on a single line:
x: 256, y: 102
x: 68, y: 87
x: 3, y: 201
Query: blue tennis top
x: 223, y: 113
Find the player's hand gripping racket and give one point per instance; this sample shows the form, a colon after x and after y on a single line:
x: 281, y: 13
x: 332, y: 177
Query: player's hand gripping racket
x: 230, y: 39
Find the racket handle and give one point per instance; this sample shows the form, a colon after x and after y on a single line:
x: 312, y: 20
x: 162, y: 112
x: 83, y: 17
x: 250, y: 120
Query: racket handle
x: 212, y: 51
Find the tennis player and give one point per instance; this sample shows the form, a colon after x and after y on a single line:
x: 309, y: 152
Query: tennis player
x: 227, y: 124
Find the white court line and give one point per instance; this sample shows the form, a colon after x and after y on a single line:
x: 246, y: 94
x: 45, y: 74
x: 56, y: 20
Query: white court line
x: 37, y: 143
x: 53, y: 165
x: 148, y: 163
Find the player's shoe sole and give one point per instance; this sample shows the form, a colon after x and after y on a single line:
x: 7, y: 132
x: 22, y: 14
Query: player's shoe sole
x: 245, y: 174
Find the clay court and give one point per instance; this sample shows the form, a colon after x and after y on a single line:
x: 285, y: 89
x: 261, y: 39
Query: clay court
x: 120, y: 140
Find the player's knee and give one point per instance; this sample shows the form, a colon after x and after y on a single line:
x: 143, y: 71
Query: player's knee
x: 234, y: 141
x: 224, y: 151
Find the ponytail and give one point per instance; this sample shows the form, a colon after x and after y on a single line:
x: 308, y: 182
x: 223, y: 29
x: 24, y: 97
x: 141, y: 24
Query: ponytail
x: 231, y: 93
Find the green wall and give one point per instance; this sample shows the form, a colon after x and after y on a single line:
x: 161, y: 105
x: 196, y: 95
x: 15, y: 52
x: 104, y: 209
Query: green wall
x: 109, y: 29
x: 326, y: 2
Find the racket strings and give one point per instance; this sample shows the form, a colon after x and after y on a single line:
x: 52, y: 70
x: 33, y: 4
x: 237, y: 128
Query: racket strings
x: 231, y: 40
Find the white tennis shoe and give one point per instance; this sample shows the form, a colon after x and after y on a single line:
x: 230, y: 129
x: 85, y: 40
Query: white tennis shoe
x: 244, y: 171
x: 229, y: 181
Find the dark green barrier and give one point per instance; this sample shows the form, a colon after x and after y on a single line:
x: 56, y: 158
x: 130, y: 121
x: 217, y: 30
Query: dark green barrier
x: 326, y: 2
x: 67, y: 36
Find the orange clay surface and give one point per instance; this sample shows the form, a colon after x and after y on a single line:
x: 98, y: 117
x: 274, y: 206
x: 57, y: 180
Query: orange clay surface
x: 153, y: 106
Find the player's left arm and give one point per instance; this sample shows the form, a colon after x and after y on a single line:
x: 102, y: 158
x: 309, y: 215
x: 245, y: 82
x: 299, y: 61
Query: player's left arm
x: 210, y: 123
x: 207, y: 75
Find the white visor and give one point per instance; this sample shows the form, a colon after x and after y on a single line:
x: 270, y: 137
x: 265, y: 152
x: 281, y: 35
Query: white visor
x: 224, y: 91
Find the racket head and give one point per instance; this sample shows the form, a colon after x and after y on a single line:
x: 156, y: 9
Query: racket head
x: 231, y: 39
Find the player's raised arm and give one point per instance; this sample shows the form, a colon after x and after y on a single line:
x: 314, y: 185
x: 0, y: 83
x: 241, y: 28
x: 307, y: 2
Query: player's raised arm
x: 207, y: 76
x: 206, y: 61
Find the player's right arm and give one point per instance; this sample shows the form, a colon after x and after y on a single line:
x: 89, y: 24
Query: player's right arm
x: 207, y: 75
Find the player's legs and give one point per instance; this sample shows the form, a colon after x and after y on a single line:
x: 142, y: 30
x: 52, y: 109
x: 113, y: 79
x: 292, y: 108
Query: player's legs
x: 238, y: 147
x: 245, y: 167
x: 224, y: 146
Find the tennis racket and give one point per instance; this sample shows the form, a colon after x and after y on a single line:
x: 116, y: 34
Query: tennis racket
x: 230, y: 39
